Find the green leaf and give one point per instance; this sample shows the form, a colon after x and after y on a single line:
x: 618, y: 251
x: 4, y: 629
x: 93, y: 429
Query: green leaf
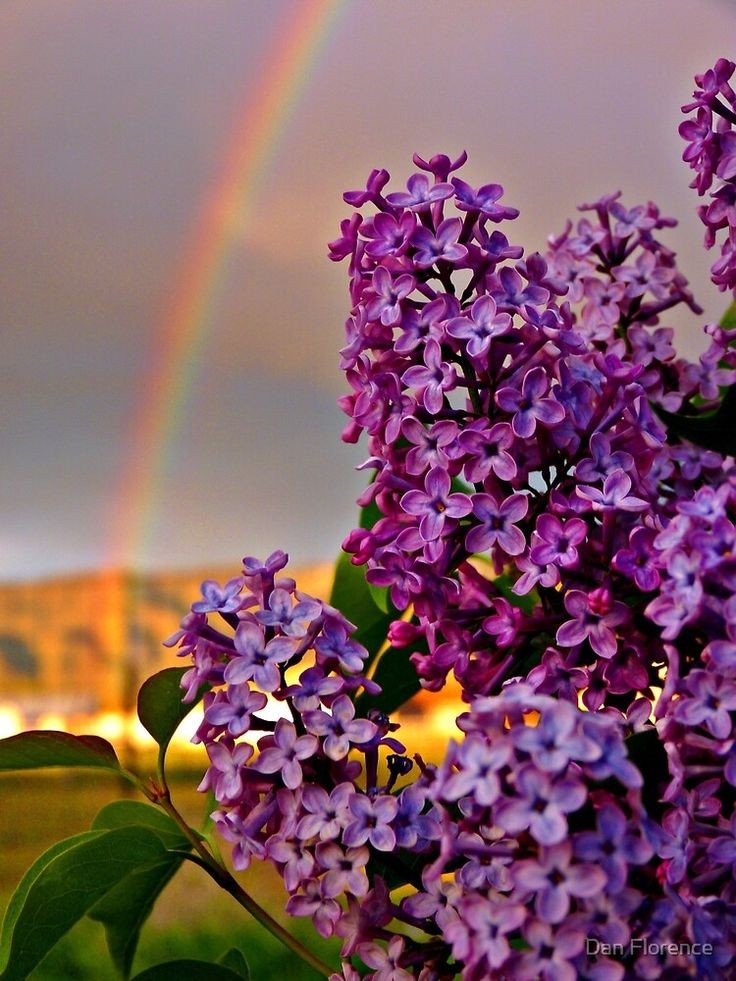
x: 352, y: 596
x: 714, y: 430
x: 46, y: 747
x: 728, y: 320
x: 129, y: 813
x: 160, y: 706
x: 527, y: 603
x: 188, y: 970
x: 369, y: 515
x: 397, y: 868
x: 127, y: 906
x: 17, y: 900
x: 397, y: 677
x: 62, y: 886
x: 235, y: 961
x: 379, y: 595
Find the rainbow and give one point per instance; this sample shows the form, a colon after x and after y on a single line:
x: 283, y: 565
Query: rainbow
x: 182, y: 329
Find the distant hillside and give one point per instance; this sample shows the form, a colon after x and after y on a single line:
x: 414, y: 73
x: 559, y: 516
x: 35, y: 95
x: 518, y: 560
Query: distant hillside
x: 83, y: 643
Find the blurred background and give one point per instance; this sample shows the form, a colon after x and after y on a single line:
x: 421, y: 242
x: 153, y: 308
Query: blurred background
x: 170, y: 175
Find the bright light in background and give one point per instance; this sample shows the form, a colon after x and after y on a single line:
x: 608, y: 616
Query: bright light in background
x: 11, y: 721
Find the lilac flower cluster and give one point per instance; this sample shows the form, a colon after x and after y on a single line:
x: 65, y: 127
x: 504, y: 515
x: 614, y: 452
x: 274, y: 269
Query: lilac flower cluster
x: 711, y: 152
x: 512, y: 435
x: 542, y: 540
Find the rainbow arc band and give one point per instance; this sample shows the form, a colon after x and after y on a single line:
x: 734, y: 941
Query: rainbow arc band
x: 299, y: 42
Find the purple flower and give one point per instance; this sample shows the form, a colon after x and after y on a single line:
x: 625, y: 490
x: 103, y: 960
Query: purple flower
x: 708, y: 700
x: 646, y: 275
x: 433, y: 379
x: 385, y: 961
x: 410, y: 824
x: 556, y: 739
x: 530, y: 406
x: 311, y: 902
x: 297, y: 861
x: 555, y: 880
x: 419, y: 325
x: 594, y: 616
x: 557, y: 541
x: 483, y: 323
x: 232, y: 709
x: 220, y: 599
x: 430, y: 445
x: 614, y: 496
x: 372, y: 822
x: 377, y: 180
x: 441, y: 245
x: 419, y: 194
x: 637, y: 561
x: 478, y: 935
x: 387, y: 235
x: 435, y: 504
x: 344, y: 869
x: 395, y: 570
x: 314, y: 686
x: 335, y: 643
x: 722, y: 849
x: 512, y: 294
x: 487, y: 451
x: 613, y: 847
x: 225, y: 773
x: 258, y: 574
x: 533, y: 573
x: 347, y: 243
x: 541, y: 805
x: 483, y: 200
x: 672, y: 611
x: 602, y: 461
x: 440, y: 165
x: 497, y: 524
x: 292, y: 620
x: 284, y: 752
x: 388, y: 294
x: 551, y: 953
x: 257, y: 659
x: 340, y: 728
x: 327, y: 814
x: 478, y: 763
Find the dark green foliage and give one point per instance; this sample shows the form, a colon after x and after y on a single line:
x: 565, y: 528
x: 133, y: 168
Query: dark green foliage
x: 46, y: 747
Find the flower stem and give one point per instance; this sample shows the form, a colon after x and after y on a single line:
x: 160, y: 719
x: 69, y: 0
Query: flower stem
x: 162, y: 797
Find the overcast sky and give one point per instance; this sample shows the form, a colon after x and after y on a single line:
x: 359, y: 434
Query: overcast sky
x: 114, y: 119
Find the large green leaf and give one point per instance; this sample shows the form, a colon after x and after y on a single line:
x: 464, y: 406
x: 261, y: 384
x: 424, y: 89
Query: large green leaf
x: 160, y: 706
x: 397, y: 677
x: 188, y: 970
x: 46, y: 747
x: 126, y: 907
x: 17, y: 900
x: 235, y: 961
x: 713, y: 430
x: 352, y: 596
x: 62, y: 886
x: 129, y: 813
